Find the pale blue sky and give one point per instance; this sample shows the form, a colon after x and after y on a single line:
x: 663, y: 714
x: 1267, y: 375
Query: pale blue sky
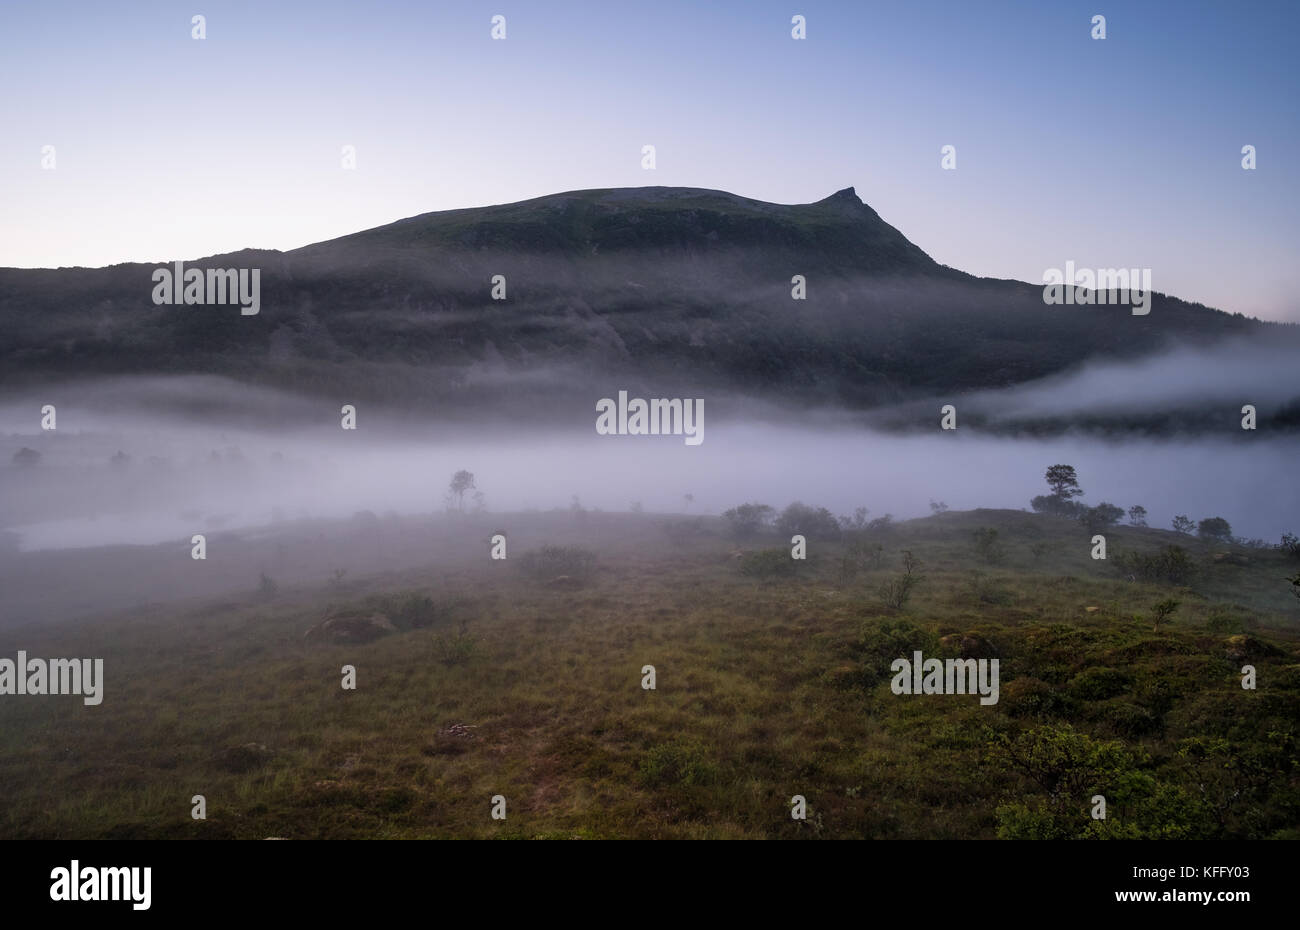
x: 1116, y: 153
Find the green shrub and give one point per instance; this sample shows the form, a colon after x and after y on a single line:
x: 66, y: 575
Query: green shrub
x: 767, y: 563
x: 680, y: 764
x: 879, y: 643
x: 812, y: 522
x: 1099, y: 683
x: 549, y: 562
x: 749, y: 519
x: 1220, y: 621
x: 1100, y: 518
x: 987, y: 546
x: 984, y: 590
x: 1172, y: 564
x: 895, y: 592
x: 1215, y: 529
x: 453, y: 648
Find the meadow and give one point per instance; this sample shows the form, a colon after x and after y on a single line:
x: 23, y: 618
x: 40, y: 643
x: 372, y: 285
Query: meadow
x: 523, y: 677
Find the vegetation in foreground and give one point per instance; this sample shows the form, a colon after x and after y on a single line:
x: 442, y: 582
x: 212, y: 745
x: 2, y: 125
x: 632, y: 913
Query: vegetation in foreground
x: 523, y: 678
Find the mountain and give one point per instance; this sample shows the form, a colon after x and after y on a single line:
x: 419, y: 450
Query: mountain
x: 674, y: 291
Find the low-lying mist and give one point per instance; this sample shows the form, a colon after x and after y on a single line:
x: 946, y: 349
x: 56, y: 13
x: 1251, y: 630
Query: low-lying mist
x: 159, y: 459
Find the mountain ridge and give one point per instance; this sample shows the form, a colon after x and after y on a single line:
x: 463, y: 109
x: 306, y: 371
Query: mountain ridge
x: 652, y: 285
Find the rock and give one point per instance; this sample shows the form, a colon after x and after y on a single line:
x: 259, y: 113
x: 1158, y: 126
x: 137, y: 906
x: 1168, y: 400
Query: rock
x: 969, y: 645
x: 351, y: 628
x: 245, y: 758
x: 843, y: 676
x: 1241, y: 647
x: 564, y: 583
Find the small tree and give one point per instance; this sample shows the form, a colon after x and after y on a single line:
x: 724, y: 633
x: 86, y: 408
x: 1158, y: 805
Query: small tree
x: 1137, y: 515
x: 1215, y: 529
x: 461, y: 482
x: 938, y: 507
x: 1295, y: 584
x: 1163, y: 610
x: 1290, y: 545
x: 895, y: 592
x: 26, y: 457
x: 1183, y: 525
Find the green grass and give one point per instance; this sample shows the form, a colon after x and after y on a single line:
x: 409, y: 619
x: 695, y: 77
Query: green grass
x: 769, y: 684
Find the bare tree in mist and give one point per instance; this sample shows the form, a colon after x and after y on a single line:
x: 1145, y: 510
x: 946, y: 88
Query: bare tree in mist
x: 461, y: 483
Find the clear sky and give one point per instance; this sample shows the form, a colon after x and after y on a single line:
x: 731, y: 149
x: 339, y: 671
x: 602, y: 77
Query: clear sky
x: 1123, y: 152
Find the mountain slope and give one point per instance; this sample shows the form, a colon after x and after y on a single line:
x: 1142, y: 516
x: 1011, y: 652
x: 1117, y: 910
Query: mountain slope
x: 670, y: 290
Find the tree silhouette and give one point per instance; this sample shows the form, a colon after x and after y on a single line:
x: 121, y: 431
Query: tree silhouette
x: 461, y: 482
x: 1063, y: 481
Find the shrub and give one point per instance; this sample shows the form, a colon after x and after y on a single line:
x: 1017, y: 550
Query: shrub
x: 415, y: 611
x: 979, y: 587
x: 767, y: 563
x: 1101, y: 517
x: 879, y: 644
x: 551, y: 561
x: 749, y: 519
x: 1099, y: 683
x: 681, y: 531
x: 680, y: 764
x: 1215, y: 529
x: 1057, y: 506
x: 987, y: 546
x: 858, y: 555
x: 454, y: 648
x: 1221, y: 621
x: 895, y: 592
x: 856, y: 522
x: 1290, y: 545
x: 808, y: 521
x: 1162, y: 611
x: 1171, y: 564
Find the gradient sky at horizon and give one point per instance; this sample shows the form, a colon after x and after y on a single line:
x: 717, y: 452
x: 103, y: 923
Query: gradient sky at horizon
x: 1116, y: 153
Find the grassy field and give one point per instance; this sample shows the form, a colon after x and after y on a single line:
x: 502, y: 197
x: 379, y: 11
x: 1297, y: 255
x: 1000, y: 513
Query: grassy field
x: 523, y: 678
